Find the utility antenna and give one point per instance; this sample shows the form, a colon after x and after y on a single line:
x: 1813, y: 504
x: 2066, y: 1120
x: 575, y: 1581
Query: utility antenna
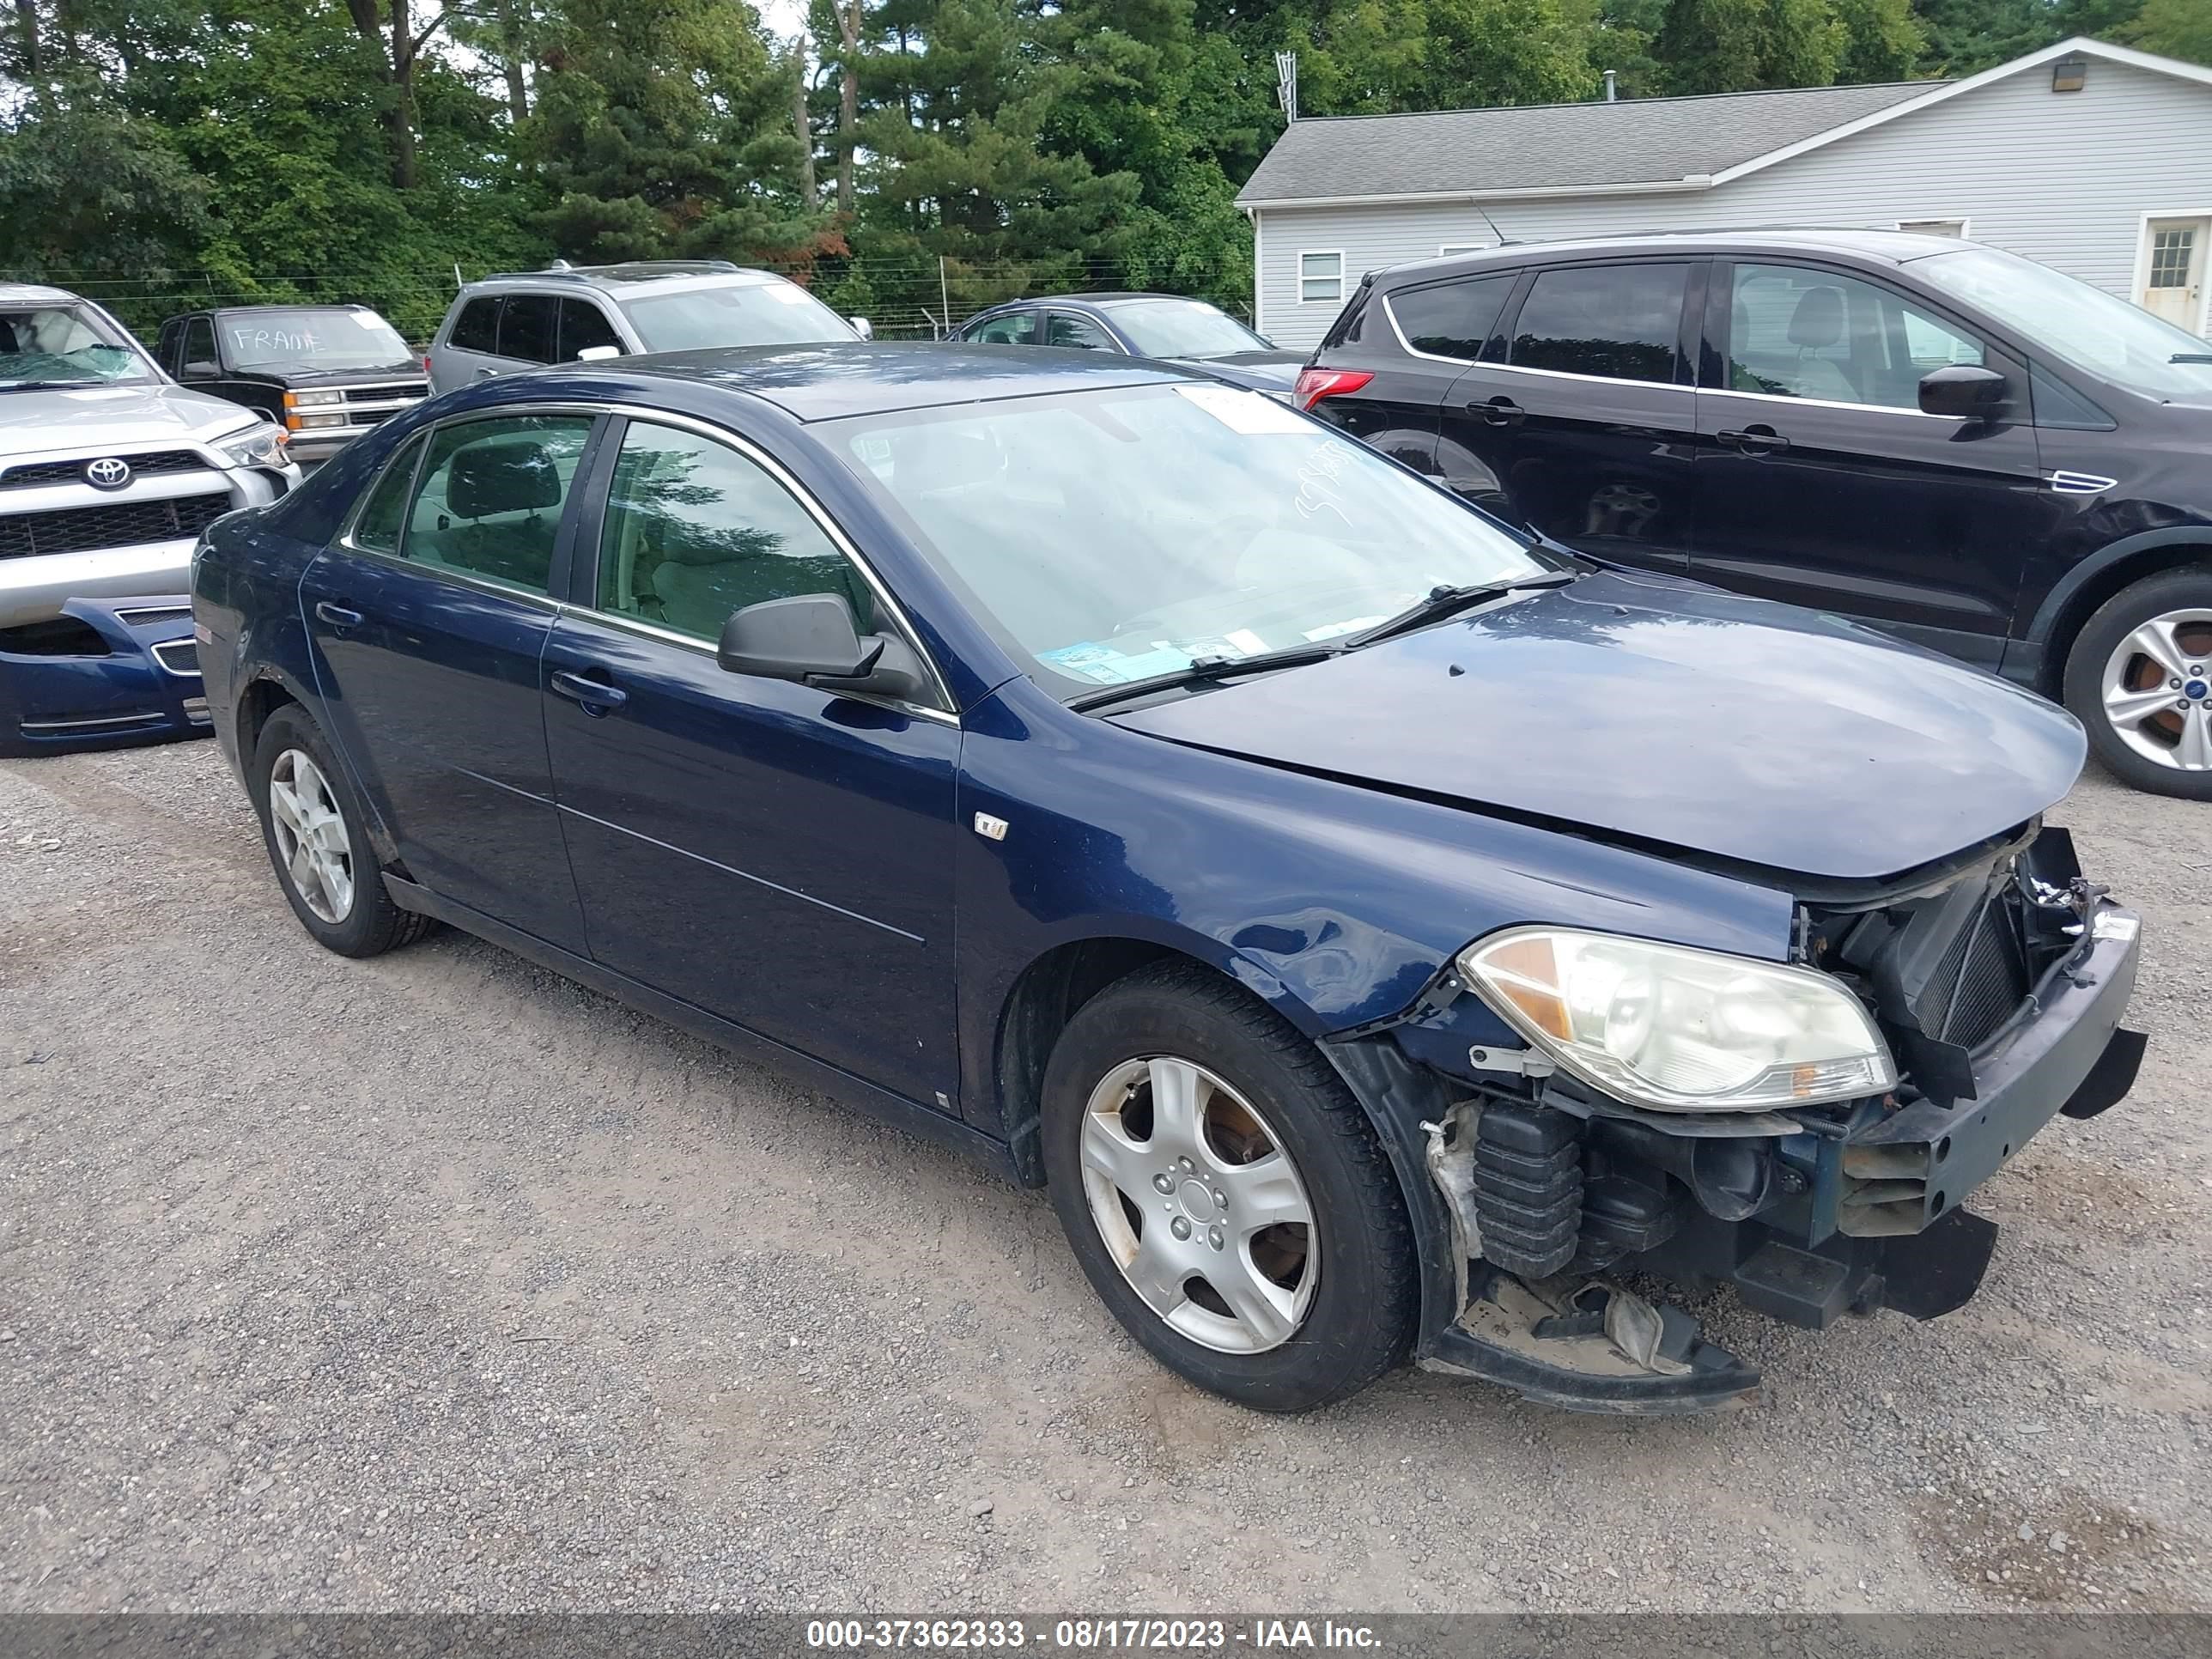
x: 1503, y: 239
x: 1286, y: 83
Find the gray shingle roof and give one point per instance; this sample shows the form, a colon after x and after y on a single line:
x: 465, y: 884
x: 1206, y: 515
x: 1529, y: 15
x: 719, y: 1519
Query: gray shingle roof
x: 1553, y: 146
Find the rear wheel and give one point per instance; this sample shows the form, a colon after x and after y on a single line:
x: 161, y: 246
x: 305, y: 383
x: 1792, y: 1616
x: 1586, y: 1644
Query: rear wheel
x: 1225, y: 1193
x: 2140, y: 678
x: 317, y: 841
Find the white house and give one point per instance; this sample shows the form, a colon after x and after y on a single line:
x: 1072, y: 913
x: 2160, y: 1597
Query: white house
x: 2092, y: 158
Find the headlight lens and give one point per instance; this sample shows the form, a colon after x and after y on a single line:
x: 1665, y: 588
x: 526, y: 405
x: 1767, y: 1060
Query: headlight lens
x: 260, y: 445
x: 324, y: 400
x: 1678, y: 1029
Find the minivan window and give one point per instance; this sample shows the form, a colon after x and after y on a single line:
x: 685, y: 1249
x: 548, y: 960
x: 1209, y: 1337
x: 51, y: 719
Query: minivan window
x: 492, y: 496
x: 1452, y: 320
x: 477, y: 328
x: 526, y: 327
x: 1617, y: 322
x: 1801, y: 331
x: 2074, y: 323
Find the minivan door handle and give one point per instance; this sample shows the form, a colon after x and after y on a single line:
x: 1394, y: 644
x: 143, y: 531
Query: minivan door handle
x: 336, y: 615
x: 1499, y: 411
x: 596, y: 697
x: 1755, y: 441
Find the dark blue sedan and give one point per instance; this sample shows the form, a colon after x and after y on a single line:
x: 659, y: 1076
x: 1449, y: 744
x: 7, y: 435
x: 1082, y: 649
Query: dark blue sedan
x: 1379, y: 931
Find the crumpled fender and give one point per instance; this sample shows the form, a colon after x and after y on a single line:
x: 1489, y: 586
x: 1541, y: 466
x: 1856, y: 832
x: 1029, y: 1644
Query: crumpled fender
x: 144, y: 688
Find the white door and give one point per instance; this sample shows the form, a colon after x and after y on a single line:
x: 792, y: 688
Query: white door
x: 2173, y: 279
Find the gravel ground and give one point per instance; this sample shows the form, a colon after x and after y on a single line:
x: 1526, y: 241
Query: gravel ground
x: 439, y: 1282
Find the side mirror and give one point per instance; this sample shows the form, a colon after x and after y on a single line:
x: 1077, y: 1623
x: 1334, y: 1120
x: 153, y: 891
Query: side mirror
x: 809, y: 639
x: 597, y: 353
x: 1964, y: 390
x: 862, y: 327
x: 199, y: 369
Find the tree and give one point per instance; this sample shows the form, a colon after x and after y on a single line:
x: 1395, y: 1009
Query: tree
x: 1738, y: 46
x: 2178, y: 28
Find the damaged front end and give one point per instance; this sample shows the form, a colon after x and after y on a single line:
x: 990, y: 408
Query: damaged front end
x: 103, y: 674
x: 1997, y: 982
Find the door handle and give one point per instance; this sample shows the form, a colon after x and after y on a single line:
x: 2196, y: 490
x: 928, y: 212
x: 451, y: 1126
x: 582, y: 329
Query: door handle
x: 595, y: 697
x: 486, y: 374
x: 1755, y: 441
x: 1499, y: 411
x: 336, y: 615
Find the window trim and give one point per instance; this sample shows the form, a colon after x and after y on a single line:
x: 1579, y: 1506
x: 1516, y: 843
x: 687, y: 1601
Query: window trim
x: 584, y: 572
x: 1304, y: 254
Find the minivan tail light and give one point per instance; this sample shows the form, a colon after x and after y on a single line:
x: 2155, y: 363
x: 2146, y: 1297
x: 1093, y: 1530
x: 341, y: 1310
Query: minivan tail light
x: 1316, y: 384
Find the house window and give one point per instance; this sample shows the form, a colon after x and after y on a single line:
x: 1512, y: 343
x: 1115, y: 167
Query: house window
x: 1321, y: 279
x: 1936, y: 227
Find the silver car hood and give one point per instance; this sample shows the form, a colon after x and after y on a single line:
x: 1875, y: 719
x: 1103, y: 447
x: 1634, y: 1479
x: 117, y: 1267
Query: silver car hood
x: 74, y: 419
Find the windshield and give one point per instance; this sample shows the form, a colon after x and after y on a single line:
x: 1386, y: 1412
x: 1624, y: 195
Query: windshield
x: 735, y: 314
x: 2074, y: 323
x: 300, y: 337
x: 63, y: 345
x: 1111, y: 536
x: 1184, y: 328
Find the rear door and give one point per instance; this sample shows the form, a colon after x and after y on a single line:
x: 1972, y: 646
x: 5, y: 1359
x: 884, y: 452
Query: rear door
x: 1581, y: 412
x: 1821, y: 482
x: 427, y: 618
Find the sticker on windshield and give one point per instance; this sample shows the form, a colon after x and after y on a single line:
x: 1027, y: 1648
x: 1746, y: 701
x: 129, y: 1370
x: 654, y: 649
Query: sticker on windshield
x: 1247, y: 412
x: 1103, y: 663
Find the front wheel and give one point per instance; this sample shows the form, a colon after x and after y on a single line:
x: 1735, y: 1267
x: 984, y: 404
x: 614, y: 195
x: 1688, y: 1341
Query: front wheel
x: 2139, y: 678
x: 1225, y: 1194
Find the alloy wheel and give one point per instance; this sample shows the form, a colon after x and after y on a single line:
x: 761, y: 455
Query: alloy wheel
x: 312, y: 843
x: 2158, y: 690
x: 1200, y: 1204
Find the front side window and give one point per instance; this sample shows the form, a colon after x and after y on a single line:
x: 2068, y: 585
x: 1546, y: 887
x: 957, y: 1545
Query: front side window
x: 2073, y: 323
x: 1109, y: 536
x: 527, y: 324
x: 385, y: 513
x: 696, y: 531
x: 1065, y: 328
x: 584, y: 326
x: 1617, y: 322
x: 491, y: 496
x: 1795, y: 331
x: 313, y: 337
x: 1321, y: 279
x: 1184, y: 328
x: 1015, y: 328
x: 737, y: 314
x: 63, y: 345
x: 1452, y: 320
x: 199, y: 347
x: 477, y: 328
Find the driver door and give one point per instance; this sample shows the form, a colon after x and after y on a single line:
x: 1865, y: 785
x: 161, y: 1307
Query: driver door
x: 776, y: 855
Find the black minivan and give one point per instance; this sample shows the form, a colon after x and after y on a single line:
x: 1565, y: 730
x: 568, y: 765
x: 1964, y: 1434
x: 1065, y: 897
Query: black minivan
x: 1954, y: 444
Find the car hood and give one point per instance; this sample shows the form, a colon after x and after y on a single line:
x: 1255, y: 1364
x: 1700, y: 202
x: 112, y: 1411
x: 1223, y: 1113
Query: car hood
x: 1650, y: 711
x: 1257, y: 371
x: 78, y: 418
x: 407, y: 368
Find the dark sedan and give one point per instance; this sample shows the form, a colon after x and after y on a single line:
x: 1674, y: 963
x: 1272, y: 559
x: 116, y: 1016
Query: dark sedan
x: 1379, y: 929
x: 1161, y: 326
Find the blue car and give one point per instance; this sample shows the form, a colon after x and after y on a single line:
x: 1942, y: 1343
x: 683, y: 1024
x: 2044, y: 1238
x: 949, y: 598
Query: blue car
x: 1379, y: 930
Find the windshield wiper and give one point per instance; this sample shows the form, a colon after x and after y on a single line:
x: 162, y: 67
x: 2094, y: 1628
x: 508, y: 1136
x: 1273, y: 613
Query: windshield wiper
x: 1205, y: 671
x: 48, y: 385
x: 1445, y: 600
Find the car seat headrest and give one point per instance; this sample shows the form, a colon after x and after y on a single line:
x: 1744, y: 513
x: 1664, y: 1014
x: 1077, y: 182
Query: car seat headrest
x: 502, y: 475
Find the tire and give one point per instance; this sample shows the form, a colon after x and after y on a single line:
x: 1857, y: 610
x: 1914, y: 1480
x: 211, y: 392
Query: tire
x: 356, y: 917
x: 2142, y: 641
x: 1322, y: 1306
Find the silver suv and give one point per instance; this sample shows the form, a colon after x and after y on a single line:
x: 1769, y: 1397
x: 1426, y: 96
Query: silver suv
x: 569, y: 313
x: 108, y: 469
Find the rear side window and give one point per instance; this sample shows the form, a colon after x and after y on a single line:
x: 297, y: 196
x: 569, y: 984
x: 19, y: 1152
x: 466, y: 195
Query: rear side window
x: 526, y: 327
x: 477, y: 328
x: 1619, y: 322
x: 1452, y: 320
x: 492, y: 496
x: 378, y: 527
x: 584, y: 326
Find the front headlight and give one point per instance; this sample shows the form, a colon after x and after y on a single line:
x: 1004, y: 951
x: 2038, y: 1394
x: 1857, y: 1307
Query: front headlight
x: 260, y: 445
x: 1678, y: 1029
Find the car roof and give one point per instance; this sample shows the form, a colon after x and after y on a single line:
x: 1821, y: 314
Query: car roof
x: 36, y: 293
x: 1891, y: 246
x: 667, y: 276
x: 300, y: 305
x: 830, y: 382
x: 1101, y: 302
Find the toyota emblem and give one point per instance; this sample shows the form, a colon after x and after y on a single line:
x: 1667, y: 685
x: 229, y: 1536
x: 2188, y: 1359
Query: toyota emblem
x: 109, y: 472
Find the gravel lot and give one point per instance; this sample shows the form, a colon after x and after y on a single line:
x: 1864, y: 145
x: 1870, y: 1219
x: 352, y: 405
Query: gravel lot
x: 439, y: 1282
